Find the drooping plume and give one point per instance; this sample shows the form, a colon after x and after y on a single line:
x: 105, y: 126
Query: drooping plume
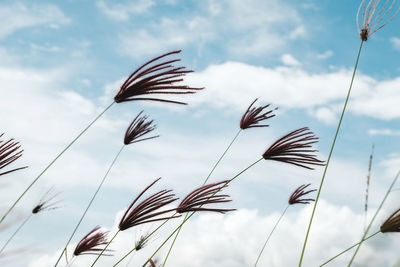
x: 296, y: 196
x: 138, y: 128
x: 89, y: 244
x: 392, y: 224
x: 375, y: 15
x: 9, y: 152
x: 255, y: 115
x: 295, y: 148
x: 147, y: 210
x: 156, y: 78
x: 46, y: 202
x: 204, y: 196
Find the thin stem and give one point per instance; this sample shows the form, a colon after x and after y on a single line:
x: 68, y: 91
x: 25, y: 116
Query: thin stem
x: 69, y: 264
x: 147, y: 237
x: 185, y: 220
x: 205, y: 181
x: 90, y: 204
x: 16, y: 231
x: 373, y: 218
x: 330, y: 154
x: 344, y: 251
x: 367, y: 188
x: 52, y: 162
x: 270, y: 234
x: 104, y: 249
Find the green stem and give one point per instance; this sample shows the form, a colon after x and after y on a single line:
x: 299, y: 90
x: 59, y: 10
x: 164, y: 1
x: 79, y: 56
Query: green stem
x: 148, y: 236
x: 270, y: 234
x: 344, y: 251
x: 104, y: 249
x: 90, y: 204
x: 205, y: 181
x: 373, y: 218
x: 52, y: 162
x: 16, y: 231
x: 330, y: 154
x: 185, y: 220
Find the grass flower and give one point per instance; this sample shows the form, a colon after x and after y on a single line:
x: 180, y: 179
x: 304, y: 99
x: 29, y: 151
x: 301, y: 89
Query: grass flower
x: 90, y: 243
x: 296, y: 196
x: 155, y: 77
x: 295, y: 148
x: 145, y: 211
x: 138, y: 128
x: 205, y: 195
x: 374, y: 16
x: 9, y: 152
x: 255, y: 115
x: 45, y: 203
x: 392, y: 224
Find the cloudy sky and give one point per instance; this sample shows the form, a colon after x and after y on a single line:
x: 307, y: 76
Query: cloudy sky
x: 61, y: 63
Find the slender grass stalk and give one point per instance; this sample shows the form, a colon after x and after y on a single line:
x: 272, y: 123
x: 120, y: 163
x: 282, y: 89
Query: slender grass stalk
x: 205, y: 181
x: 16, y: 231
x: 89, y: 204
x: 270, y: 234
x: 367, y: 188
x: 344, y: 251
x: 53, y: 161
x: 185, y: 220
x: 69, y: 264
x: 147, y: 237
x: 373, y: 218
x: 330, y: 154
x: 104, y: 249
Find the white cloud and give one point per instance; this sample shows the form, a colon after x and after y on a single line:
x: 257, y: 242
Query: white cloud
x: 289, y: 60
x: 384, y: 132
x: 236, y: 238
x: 325, y: 55
x: 297, y: 88
x: 19, y: 16
x: 325, y: 115
x: 123, y: 12
x: 247, y: 28
x: 395, y: 42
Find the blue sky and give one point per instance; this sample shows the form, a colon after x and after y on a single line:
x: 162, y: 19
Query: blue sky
x: 62, y: 63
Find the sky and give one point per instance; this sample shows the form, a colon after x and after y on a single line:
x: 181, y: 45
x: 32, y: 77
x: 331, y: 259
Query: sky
x: 62, y: 62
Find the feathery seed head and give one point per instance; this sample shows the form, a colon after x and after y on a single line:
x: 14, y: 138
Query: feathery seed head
x: 295, y: 197
x: 158, y: 78
x: 9, y: 152
x: 375, y: 15
x: 146, y: 211
x: 89, y: 244
x: 392, y: 224
x: 46, y: 202
x: 295, y: 148
x: 205, y: 195
x: 255, y: 115
x: 138, y: 128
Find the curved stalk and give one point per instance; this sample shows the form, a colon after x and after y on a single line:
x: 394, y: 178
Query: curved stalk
x: 270, y: 234
x: 344, y: 251
x: 330, y: 154
x: 16, y: 231
x: 90, y: 204
x: 373, y: 219
x: 52, y: 162
x: 205, y: 181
